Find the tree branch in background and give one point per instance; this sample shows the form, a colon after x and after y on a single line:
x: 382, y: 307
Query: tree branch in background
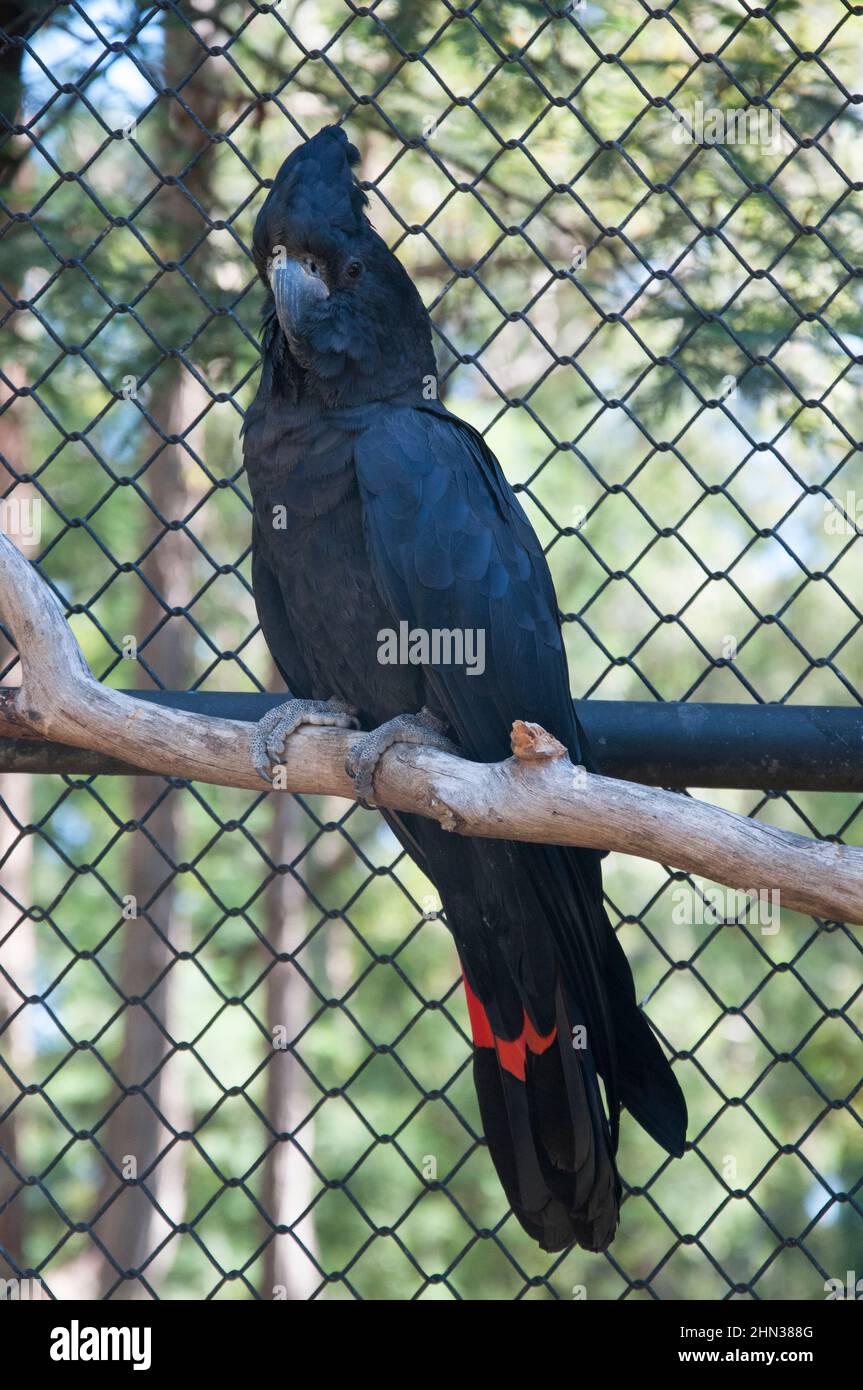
x: 537, y: 795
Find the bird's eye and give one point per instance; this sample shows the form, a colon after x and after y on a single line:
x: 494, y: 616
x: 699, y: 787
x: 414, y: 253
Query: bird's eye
x: 312, y: 266
x: 354, y: 269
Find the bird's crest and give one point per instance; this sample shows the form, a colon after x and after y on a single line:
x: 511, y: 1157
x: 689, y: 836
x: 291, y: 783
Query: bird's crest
x: 316, y: 183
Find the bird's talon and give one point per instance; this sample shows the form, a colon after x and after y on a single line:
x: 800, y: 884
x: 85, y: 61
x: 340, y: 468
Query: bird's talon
x: 273, y: 731
x: 422, y: 729
x: 361, y: 771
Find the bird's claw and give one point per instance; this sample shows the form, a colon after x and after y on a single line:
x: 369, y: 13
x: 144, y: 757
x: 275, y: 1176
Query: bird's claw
x: 424, y: 729
x: 271, y: 733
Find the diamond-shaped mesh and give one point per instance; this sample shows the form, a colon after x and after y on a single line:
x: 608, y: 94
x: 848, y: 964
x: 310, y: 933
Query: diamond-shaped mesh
x: 234, y: 1053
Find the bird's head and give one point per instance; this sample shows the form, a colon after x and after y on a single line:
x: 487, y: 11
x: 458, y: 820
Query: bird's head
x: 349, y: 314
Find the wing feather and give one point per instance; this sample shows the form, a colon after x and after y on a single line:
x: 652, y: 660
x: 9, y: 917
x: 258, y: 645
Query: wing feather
x: 450, y: 546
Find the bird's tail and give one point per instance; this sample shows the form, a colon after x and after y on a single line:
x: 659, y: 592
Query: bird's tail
x: 550, y: 1097
x: 559, y: 1041
x: 546, y: 1130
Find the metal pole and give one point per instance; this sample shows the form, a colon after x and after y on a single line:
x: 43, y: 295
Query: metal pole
x: 757, y: 747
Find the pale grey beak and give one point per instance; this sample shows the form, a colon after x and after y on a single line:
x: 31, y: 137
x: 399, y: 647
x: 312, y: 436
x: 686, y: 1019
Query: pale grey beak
x: 295, y: 290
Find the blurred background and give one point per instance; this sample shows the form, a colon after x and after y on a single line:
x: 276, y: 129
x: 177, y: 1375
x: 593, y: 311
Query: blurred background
x: 661, y: 339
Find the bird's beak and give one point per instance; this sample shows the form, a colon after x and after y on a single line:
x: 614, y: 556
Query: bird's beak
x: 295, y: 290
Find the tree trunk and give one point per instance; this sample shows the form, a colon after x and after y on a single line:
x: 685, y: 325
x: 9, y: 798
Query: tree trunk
x: 132, y: 1228
x: 290, y: 1182
x: 17, y: 945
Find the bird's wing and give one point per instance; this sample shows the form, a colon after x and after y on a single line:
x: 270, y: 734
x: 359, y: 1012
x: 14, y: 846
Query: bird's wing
x: 275, y: 621
x: 451, y: 549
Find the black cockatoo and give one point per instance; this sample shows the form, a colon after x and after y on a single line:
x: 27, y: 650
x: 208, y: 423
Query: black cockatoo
x: 375, y: 506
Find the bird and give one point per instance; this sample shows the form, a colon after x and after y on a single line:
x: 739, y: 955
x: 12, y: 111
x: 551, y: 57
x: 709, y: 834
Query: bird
x: 376, y: 510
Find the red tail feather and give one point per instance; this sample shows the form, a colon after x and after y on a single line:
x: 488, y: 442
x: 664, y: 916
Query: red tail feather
x: 511, y: 1053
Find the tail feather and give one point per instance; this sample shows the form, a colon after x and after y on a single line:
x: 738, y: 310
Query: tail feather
x: 648, y: 1087
x: 540, y: 959
x: 546, y: 1131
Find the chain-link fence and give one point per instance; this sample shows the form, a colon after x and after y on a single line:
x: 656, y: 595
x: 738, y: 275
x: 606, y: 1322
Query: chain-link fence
x: 235, y: 1054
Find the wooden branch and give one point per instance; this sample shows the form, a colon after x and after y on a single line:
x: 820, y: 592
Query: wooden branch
x: 536, y: 795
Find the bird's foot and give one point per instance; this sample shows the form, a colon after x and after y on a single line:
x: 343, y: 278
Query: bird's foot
x: 277, y: 725
x: 423, y: 728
